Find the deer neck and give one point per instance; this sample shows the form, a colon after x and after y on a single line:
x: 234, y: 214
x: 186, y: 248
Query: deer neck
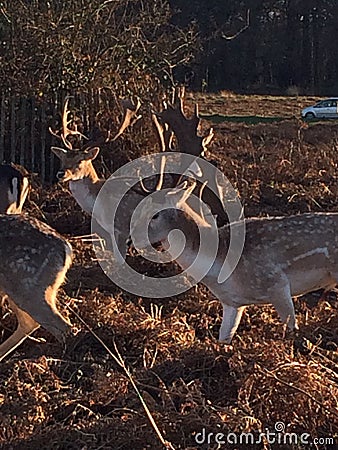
x: 201, y: 246
x: 85, y: 189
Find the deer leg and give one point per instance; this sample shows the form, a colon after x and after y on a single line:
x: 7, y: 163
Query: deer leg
x: 230, y: 321
x: 329, y: 289
x: 285, y: 308
x: 26, y: 326
x: 119, y: 243
x: 101, y: 232
x: 44, y: 311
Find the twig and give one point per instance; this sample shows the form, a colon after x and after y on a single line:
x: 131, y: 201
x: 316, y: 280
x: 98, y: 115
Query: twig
x: 120, y: 361
x: 233, y: 36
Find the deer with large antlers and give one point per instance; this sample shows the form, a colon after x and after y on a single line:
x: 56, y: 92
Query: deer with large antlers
x: 34, y: 261
x: 77, y: 169
x: 172, y: 122
x: 282, y: 257
x: 85, y: 185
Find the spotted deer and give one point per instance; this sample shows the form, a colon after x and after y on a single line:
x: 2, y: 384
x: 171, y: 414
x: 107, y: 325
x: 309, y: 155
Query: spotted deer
x: 34, y: 261
x: 76, y: 167
x: 14, y: 187
x: 172, y: 125
x: 282, y: 257
x: 85, y: 185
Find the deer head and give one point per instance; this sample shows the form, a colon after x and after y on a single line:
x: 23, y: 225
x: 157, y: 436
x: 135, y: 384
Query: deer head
x: 14, y: 187
x: 79, y: 151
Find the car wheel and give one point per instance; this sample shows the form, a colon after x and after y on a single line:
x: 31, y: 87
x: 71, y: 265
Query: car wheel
x: 309, y: 116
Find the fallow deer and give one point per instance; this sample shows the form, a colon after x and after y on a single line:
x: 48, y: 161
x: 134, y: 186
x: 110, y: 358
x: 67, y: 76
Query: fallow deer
x: 85, y: 185
x: 172, y: 121
x: 282, y: 257
x: 77, y: 169
x: 34, y: 261
x: 14, y: 187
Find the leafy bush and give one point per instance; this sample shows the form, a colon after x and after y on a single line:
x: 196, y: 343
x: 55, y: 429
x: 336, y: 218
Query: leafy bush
x: 85, y: 44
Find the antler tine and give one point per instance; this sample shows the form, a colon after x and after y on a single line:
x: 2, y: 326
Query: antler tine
x: 65, y: 122
x: 207, y: 139
x: 200, y: 198
x: 179, y: 94
x: 161, y: 177
x: 174, y: 105
x: 173, y: 97
x: 164, y: 132
x: 66, y: 131
x: 144, y: 189
x: 188, y: 190
x: 60, y: 136
x: 196, y: 118
x: 160, y: 180
x: 130, y: 115
x: 196, y: 111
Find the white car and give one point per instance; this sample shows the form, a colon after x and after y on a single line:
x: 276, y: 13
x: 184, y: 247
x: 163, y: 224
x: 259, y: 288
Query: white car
x: 326, y: 109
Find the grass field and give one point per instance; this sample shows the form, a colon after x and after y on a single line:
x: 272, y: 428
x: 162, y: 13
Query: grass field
x: 78, y: 397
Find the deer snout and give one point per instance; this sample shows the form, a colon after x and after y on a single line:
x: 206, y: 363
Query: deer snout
x: 59, y: 328
x: 60, y: 175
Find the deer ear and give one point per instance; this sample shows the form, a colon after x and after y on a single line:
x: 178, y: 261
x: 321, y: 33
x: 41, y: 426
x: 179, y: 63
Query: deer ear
x: 59, y: 152
x: 195, y: 170
x: 91, y: 153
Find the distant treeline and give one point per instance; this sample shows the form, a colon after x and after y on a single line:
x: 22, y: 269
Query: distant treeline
x: 286, y: 46
x: 290, y: 46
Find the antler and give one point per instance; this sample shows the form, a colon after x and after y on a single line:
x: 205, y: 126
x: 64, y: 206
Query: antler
x: 165, y: 133
x: 130, y: 116
x: 158, y: 187
x: 184, y: 129
x: 100, y: 134
x: 66, y: 131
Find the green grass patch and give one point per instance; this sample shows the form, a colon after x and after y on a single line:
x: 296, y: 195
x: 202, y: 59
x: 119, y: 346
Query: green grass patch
x: 251, y: 120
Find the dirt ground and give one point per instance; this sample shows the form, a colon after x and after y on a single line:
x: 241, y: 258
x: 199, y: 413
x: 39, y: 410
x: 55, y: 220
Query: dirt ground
x: 76, y: 396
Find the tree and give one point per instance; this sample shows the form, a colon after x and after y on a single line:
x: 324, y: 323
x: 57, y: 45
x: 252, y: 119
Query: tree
x: 81, y: 44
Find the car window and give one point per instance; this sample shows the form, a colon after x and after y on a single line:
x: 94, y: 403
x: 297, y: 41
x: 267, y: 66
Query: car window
x: 326, y: 104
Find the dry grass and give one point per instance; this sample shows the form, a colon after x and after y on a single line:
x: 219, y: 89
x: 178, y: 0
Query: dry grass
x: 78, y: 397
x: 229, y: 104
